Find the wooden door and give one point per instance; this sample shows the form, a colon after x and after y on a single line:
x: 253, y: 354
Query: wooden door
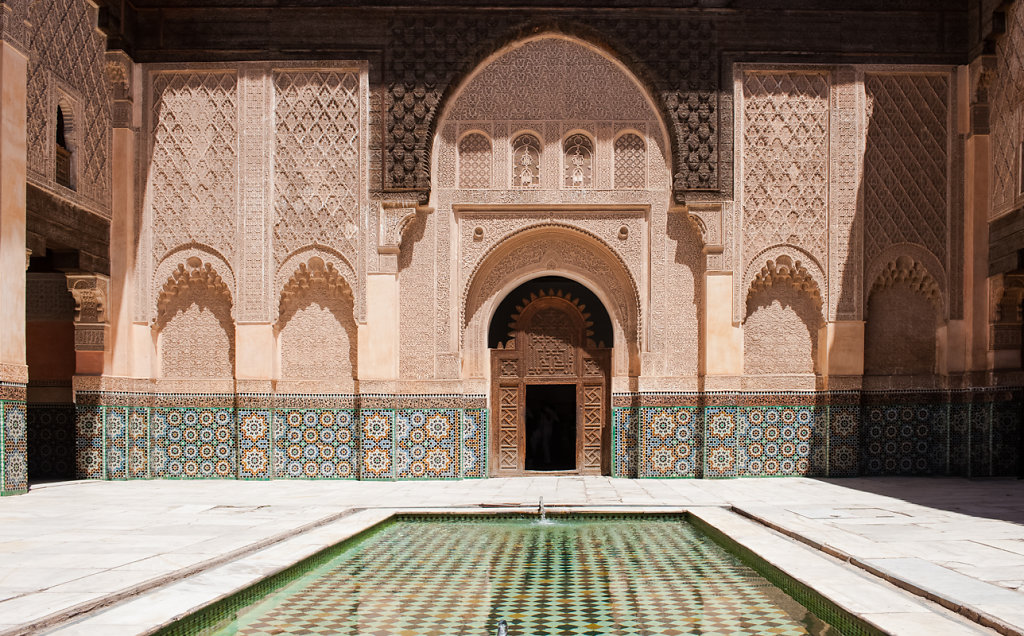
x: 550, y: 343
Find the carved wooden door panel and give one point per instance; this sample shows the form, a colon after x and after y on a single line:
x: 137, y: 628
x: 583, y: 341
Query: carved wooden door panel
x: 509, y: 395
x: 594, y: 411
x: 549, y: 345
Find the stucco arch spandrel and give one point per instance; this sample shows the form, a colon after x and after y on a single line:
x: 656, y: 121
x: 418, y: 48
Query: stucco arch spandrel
x: 180, y: 256
x: 550, y: 246
x: 916, y: 253
x: 799, y: 258
x: 329, y: 256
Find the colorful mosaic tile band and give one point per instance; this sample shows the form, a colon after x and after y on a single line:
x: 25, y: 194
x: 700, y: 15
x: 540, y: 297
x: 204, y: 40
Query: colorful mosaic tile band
x: 316, y: 443
x: 820, y: 434
x: 974, y: 434
x: 474, y: 443
x: 13, y: 447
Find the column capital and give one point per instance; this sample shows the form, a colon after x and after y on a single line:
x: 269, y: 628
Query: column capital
x: 90, y: 292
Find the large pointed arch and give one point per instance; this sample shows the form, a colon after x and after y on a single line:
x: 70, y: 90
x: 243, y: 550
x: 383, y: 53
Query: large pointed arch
x: 552, y: 249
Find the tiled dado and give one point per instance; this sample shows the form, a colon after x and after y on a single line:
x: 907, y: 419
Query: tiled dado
x: 839, y: 434
x: 13, y: 439
x: 280, y: 437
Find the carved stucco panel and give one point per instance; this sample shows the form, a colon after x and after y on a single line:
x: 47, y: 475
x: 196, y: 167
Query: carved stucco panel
x: 317, y: 160
x: 906, y: 162
x: 565, y: 80
x: 846, y: 226
x: 66, y: 67
x: 785, y: 161
x: 1007, y: 114
x: 417, y: 275
x: 193, y: 170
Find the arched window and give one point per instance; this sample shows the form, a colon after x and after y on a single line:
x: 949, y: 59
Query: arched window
x: 630, y: 162
x: 579, y: 161
x: 62, y: 170
x: 525, y: 161
x: 475, y: 161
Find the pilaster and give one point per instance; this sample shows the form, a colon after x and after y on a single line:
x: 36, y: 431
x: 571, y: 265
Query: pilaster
x: 13, y: 371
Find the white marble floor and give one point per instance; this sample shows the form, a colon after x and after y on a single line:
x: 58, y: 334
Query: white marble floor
x: 80, y: 546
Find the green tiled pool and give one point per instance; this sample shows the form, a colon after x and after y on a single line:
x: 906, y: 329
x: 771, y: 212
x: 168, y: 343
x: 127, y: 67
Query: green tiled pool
x: 577, y: 575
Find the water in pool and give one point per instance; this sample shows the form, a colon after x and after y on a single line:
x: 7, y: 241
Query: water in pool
x: 574, y: 576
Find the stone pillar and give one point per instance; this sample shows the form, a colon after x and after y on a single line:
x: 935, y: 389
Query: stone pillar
x: 121, y: 74
x: 841, y: 354
x: 378, y: 338
x: 92, y: 329
x: 13, y: 370
x: 724, y: 340
x: 974, y: 124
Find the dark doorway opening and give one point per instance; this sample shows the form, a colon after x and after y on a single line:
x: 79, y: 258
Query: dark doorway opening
x: 551, y: 427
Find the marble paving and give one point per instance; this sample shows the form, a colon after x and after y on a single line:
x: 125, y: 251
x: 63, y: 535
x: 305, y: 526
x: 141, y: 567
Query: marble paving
x: 73, y: 547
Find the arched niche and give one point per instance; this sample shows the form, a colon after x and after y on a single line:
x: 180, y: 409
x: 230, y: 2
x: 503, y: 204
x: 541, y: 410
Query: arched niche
x: 551, y: 250
x: 904, y: 312
x: 194, y: 327
x: 781, y: 323
x: 316, y: 328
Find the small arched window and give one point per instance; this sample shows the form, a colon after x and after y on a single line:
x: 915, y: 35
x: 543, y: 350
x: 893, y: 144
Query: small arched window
x: 475, y: 161
x: 62, y: 170
x: 579, y: 161
x: 525, y: 161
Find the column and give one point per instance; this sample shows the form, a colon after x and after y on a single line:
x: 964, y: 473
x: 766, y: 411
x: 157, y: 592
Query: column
x: 13, y: 369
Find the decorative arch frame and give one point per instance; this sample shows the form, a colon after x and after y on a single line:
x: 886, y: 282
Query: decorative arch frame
x: 551, y: 249
x: 286, y: 270
x: 769, y: 257
x: 672, y: 107
x: 68, y: 108
x: 180, y: 256
x: 578, y: 34
x: 917, y: 254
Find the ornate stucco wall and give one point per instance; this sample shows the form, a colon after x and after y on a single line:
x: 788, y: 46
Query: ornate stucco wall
x: 306, y: 254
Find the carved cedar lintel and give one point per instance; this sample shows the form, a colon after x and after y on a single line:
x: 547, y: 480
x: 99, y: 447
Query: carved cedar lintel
x: 393, y: 220
x: 90, y: 292
x: 119, y: 81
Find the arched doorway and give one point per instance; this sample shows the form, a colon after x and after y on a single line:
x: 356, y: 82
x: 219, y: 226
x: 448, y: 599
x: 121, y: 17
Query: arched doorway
x: 550, y: 380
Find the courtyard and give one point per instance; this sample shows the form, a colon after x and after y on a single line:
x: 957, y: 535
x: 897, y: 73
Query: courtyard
x: 106, y: 557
